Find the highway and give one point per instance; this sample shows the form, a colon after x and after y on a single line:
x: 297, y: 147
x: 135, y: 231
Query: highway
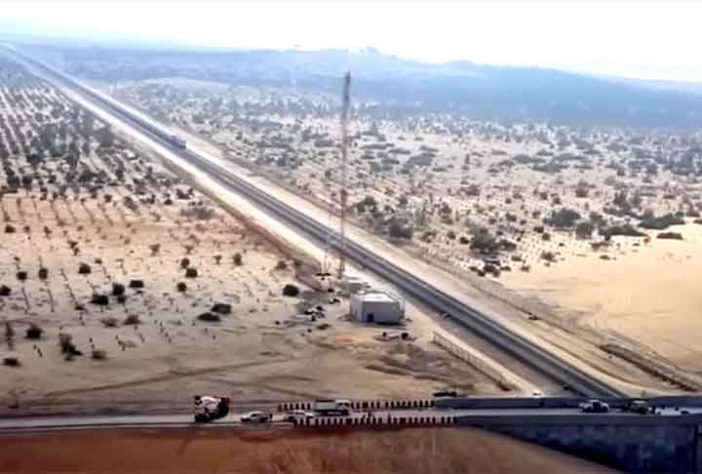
x: 47, y: 423
x: 537, y: 358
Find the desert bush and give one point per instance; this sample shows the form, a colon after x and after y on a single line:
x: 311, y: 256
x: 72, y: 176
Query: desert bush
x: 217, y: 259
x: 209, y: 317
x: 155, y: 248
x: 118, y: 289
x: 222, y: 308
x: 621, y: 229
x: 237, y: 259
x: 9, y: 229
x: 281, y: 265
x: 98, y: 354
x: 136, y: 283
x: 5, y: 290
x: 198, y: 212
x: 22, y: 275
x: 563, y: 218
x: 109, y: 322
x: 84, y: 269
x: 323, y: 326
x: 100, y: 299
x: 33, y: 332
x: 548, y: 256
x: 181, y: 287
x: 670, y: 235
x: 190, y: 272
x: 11, y: 361
x: 66, y: 344
x: 291, y: 290
x: 483, y: 241
x: 184, y: 262
x: 584, y: 230
x: 43, y: 273
x: 132, y: 320
x: 648, y: 221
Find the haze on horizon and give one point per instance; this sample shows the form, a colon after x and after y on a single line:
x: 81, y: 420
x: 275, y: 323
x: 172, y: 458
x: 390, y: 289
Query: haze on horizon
x: 646, y: 40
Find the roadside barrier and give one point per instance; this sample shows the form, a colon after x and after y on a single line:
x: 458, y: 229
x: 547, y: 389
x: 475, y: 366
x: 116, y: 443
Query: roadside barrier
x: 371, y: 421
x: 365, y: 405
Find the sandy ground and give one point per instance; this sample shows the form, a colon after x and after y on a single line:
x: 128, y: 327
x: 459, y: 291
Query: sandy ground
x: 651, y: 295
x: 512, y: 199
x: 258, y: 451
x: 147, y: 350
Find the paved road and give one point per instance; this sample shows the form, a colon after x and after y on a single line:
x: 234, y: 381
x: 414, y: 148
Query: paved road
x: 43, y: 423
x: 510, y: 342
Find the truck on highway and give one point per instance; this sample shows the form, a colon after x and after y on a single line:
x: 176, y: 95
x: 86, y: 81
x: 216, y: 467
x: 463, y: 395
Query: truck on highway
x: 332, y: 407
x: 176, y: 141
x: 207, y: 407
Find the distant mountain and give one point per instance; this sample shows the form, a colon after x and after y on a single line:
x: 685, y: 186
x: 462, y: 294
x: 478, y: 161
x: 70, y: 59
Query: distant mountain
x: 508, y: 93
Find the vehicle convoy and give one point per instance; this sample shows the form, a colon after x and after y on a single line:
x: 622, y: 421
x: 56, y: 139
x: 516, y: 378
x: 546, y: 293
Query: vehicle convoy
x: 207, y: 408
x: 257, y: 417
x: 594, y: 406
x: 332, y: 407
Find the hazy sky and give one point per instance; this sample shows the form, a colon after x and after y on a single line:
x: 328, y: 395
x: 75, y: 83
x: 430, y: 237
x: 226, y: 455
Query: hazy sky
x: 647, y: 39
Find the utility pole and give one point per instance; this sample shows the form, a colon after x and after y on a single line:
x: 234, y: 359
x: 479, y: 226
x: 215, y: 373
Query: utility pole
x: 345, y: 100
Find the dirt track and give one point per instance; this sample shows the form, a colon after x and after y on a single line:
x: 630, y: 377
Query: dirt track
x: 210, y: 450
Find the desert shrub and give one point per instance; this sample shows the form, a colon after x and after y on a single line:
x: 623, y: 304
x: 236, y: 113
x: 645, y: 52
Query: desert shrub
x: 181, y: 287
x: 43, y: 273
x: 237, y: 259
x: 584, y: 230
x: 34, y: 332
x: 118, y: 289
x: 11, y: 361
x: 281, y: 265
x: 483, y: 241
x: 209, y: 317
x: 5, y: 290
x: 9, y: 229
x: 132, y: 320
x: 670, y: 235
x: 109, y: 322
x: 222, y: 308
x: 291, y: 290
x: 323, y: 326
x: 184, y: 262
x: 190, y: 272
x: 67, y: 346
x: 660, y: 222
x: 548, y: 256
x: 198, y: 212
x: 563, y: 218
x: 22, y: 275
x: 100, y: 299
x: 84, y: 269
x: 627, y: 230
x: 136, y: 283
x: 98, y: 354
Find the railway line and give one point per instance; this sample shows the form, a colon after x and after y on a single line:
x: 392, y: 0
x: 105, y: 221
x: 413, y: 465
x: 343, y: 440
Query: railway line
x: 507, y: 341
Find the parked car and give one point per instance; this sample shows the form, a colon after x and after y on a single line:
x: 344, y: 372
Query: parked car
x: 298, y: 415
x: 594, y: 406
x: 257, y: 417
x: 639, y: 406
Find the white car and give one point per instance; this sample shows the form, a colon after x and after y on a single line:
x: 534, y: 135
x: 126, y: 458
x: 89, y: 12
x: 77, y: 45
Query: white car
x: 257, y: 417
x: 298, y: 415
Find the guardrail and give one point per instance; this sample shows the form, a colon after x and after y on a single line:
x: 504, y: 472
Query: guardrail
x: 377, y: 422
x: 365, y: 405
x: 507, y: 341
